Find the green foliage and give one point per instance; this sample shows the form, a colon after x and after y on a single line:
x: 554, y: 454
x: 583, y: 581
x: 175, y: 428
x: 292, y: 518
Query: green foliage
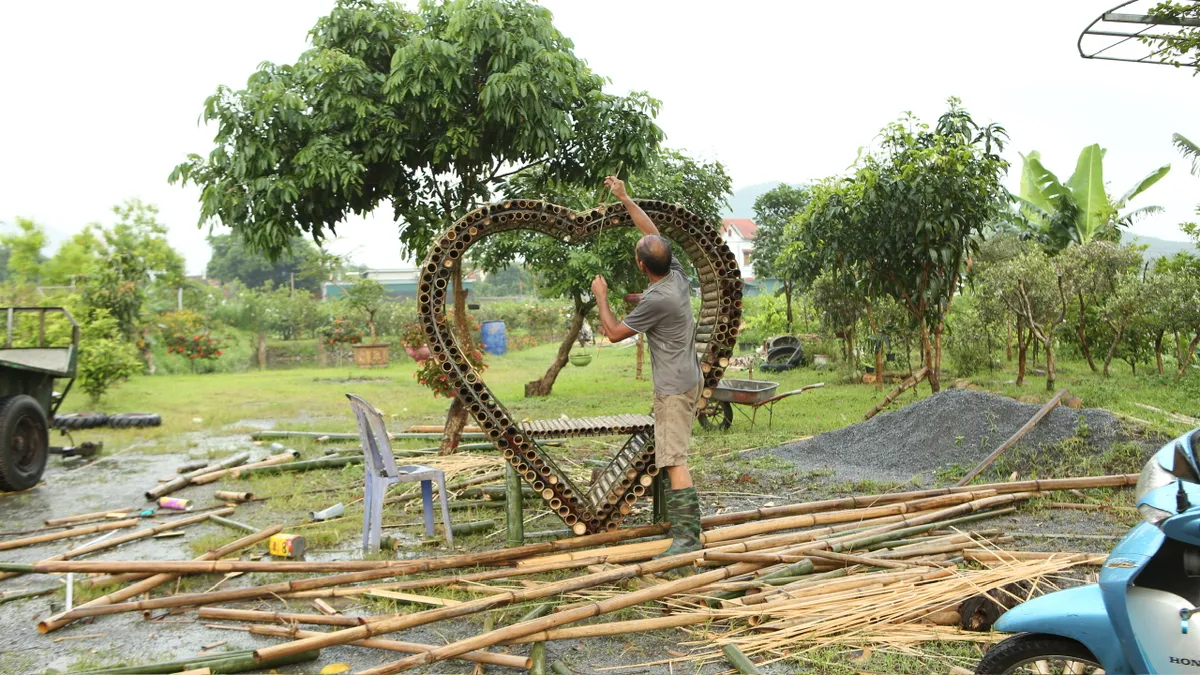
x: 511, y: 281
x: 773, y: 210
x: 366, y: 296
x: 77, y: 258
x: 105, y: 357
x: 1079, y: 211
x: 24, y: 251
x: 232, y: 260
x: 341, y: 331
x: 765, y: 316
x: 428, y: 109
x: 971, y: 337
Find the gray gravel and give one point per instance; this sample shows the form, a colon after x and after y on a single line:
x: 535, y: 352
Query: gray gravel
x: 954, y: 427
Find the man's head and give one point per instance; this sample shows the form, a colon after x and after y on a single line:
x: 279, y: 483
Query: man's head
x: 653, y: 255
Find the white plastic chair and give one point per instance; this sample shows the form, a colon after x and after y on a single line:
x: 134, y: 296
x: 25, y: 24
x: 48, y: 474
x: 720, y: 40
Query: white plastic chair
x: 381, y: 471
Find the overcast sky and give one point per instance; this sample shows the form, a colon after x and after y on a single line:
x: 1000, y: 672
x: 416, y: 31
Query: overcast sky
x: 102, y: 99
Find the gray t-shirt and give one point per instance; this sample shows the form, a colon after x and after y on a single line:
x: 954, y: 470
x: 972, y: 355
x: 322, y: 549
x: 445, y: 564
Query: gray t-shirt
x: 665, y: 316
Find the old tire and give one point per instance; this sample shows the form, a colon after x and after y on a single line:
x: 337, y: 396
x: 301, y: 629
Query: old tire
x: 82, y: 420
x: 1022, y: 654
x: 717, y: 415
x: 131, y: 420
x: 24, y: 442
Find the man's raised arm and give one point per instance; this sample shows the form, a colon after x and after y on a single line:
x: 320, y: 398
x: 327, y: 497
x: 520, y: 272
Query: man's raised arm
x: 643, y: 222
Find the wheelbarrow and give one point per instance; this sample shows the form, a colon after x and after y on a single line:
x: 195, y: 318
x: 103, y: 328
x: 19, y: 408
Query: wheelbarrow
x: 754, y: 394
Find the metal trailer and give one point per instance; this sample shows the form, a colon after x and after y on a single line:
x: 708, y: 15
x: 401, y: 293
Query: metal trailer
x: 28, y: 400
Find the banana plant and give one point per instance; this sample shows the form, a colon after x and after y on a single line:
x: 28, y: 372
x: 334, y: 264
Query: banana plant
x: 1080, y: 210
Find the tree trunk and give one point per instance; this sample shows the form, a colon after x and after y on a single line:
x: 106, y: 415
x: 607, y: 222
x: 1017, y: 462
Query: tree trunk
x: 1158, y: 347
x: 927, y: 356
x: 1112, y: 348
x: 1050, y: 363
x: 1008, y: 331
x: 641, y: 356
x: 456, y: 419
x: 879, y: 366
x: 262, y: 350
x: 1187, y: 357
x: 1022, y: 347
x: 545, y: 384
x: 322, y: 354
x: 456, y: 416
x: 787, y: 297
x: 1083, y: 343
x: 936, y: 373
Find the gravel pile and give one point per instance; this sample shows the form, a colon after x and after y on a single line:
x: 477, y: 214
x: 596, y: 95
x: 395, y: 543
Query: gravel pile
x: 956, y: 426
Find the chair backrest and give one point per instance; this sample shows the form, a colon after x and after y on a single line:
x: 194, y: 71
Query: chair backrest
x: 377, y: 448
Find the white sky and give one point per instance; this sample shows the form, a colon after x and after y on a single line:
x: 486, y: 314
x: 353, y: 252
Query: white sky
x: 102, y: 99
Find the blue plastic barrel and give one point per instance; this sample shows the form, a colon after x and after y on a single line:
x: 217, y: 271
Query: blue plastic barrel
x: 494, y: 337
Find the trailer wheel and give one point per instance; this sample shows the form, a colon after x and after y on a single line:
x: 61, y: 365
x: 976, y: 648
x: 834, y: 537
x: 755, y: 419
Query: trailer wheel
x: 82, y: 420
x: 24, y: 442
x: 130, y: 420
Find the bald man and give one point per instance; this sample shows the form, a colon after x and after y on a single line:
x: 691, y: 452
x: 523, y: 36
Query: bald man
x: 664, y: 315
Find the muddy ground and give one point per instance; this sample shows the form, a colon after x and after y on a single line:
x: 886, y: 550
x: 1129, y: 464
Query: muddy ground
x: 120, y: 480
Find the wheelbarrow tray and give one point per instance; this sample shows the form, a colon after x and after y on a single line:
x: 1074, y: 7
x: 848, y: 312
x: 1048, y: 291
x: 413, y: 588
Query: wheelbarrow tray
x: 747, y: 392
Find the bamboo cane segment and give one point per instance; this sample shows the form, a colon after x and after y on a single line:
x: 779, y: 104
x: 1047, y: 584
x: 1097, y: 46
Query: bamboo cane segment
x: 58, y: 621
x: 67, y: 534
x: 52, y: 522
x: 489, y: 658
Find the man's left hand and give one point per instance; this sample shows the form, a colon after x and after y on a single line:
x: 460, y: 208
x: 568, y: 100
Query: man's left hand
x: 599, y: 287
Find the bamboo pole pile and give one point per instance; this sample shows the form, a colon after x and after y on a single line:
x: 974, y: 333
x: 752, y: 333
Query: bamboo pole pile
x: 856, y: 570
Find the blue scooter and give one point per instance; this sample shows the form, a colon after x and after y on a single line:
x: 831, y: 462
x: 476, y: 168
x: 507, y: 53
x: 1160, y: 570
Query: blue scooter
x: 1136, y: 620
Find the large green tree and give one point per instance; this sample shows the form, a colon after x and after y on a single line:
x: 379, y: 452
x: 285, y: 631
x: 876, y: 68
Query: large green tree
x: 1080, y: 210
x: 428, y: 110
x: 25, y: 251
x: 905, y: 222
x: 567, y: 270
x: 233, y: 259
x: 772, y: 211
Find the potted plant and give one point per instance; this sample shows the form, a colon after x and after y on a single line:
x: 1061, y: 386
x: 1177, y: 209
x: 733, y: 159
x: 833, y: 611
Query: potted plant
x: 413, y: 339
x: 366, y: 295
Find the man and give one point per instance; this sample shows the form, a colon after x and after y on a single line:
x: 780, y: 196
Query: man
x: 664, y: 315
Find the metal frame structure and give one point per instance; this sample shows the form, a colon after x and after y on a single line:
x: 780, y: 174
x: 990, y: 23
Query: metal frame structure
x: 1115, y: 36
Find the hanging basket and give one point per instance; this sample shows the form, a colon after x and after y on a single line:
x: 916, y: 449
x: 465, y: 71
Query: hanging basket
x: 580, y: 359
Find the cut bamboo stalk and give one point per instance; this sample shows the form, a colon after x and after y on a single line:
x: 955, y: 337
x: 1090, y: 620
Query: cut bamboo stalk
x: 235, y: 472
x: 231, y: 496
x: 489, y: 658
x: 904, y: 386
x: 232, y: 523
x: 287, y: 617
x: 739, y: 661
x: 413, y: 567
x: 624, y: 553
x: 1012, y: 440
x: 62, y: 619
x: 537, y: 655
x: 52, y: 522
x: 66, y: 558
x: 991, y: 556
x: 410, y: 597
x: 67, y: 534
x: 445, y: 581
x: 861, y: 560
x: 186, y: 479
x: 614, y: 628
x: 1049, y: 485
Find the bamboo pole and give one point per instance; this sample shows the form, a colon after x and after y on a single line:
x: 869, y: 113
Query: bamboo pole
x: 739, y: 661
x: 58, y: 621
x: 235, y: 472
x: 514, y: 507
x: 489, y: 658
x: 52, y: 522
x: 231, y: 496
x: 186, y: 479
x: 537, y: 655
x: 1047, y: 485
x: 990, y: 556
x: 861, y: 560
x: 232, y: 523
x: 904, y: 386
x: 67, y: 534
x: 66, y: 558
x: 287, y: 617
x: 303, y: 465
x: 614, y: 628
x: 1012, y: 440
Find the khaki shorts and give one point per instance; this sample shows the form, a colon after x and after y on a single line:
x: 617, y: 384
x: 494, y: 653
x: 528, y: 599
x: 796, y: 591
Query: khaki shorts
x: 673, y: 417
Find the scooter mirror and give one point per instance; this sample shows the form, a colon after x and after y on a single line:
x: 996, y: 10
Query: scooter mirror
x: 1182, y: 465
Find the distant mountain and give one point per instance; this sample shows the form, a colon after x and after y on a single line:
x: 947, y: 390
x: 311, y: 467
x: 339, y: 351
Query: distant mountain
x: 741, y: 204
x: 1160, y: 248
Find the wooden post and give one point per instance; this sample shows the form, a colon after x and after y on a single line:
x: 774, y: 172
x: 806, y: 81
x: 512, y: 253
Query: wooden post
x: 514, y: 511
x: 1012, y: 440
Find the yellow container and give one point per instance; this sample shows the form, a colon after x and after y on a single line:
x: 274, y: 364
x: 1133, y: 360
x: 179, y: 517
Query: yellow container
x: 286, y: 545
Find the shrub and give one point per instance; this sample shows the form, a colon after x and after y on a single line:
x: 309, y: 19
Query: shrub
x: 104, y: 358
x: 340, y: 332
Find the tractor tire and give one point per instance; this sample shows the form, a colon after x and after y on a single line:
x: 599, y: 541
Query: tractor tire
x: 24, y: 442
x: 82, y: 420
x: 132, y: 420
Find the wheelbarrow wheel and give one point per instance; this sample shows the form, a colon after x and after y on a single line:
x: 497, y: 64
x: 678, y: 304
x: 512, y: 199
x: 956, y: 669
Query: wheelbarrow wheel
x: 717, y: 415
x: 24, y: 442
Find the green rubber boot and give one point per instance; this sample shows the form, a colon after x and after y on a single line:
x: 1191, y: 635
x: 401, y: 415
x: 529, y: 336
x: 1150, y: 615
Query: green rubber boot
x: 683, y: 508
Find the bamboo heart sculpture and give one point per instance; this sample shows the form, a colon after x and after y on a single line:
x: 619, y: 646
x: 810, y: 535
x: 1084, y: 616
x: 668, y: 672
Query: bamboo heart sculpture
x: 631, y: 471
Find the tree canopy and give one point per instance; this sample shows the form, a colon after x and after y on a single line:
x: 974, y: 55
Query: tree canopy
x: 232, y: 260
x: 429, y: 110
